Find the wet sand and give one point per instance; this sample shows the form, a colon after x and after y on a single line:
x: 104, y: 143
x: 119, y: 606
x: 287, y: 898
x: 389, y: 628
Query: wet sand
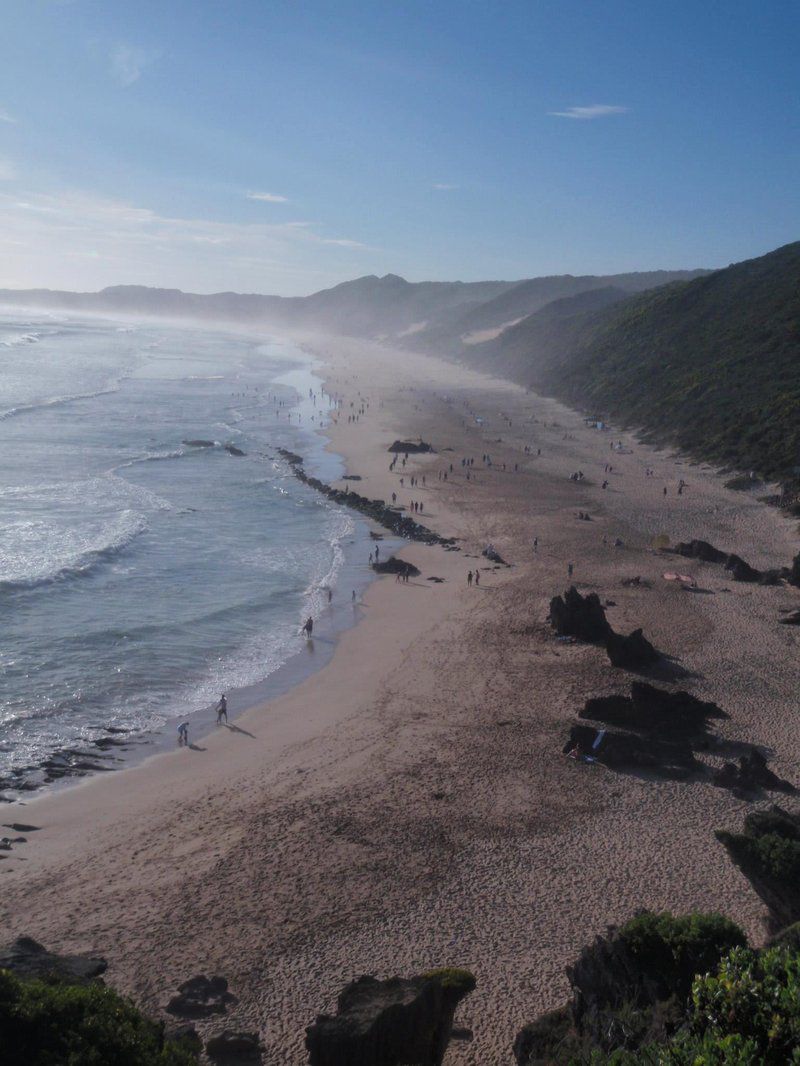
x: 408, y: 806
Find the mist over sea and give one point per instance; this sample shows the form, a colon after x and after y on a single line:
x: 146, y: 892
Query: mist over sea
x: 141, y: 576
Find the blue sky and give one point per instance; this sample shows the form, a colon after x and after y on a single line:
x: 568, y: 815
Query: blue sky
x: 283, y: 146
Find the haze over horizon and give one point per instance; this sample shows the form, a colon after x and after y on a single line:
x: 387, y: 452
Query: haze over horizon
x: 286, y: 148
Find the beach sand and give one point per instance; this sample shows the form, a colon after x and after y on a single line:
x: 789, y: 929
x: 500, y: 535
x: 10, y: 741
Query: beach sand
x: 408, y: 806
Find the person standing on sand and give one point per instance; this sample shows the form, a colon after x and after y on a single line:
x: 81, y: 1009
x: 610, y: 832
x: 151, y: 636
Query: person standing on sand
x: 569, y: 569
x: 222, y: 709
x: 183, y: 735
x: 469, y: 579
x: 477, y: 576
x: 353, y: 597
x: 535, y: 544
x: 308, y: 628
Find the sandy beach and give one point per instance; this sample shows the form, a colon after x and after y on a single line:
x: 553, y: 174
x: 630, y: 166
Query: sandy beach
x: 408, y: 805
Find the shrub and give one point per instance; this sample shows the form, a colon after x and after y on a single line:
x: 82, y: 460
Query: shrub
x: 49, y: 1024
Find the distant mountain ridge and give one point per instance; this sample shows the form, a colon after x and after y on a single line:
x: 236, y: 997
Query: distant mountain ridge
x: 370, y: 306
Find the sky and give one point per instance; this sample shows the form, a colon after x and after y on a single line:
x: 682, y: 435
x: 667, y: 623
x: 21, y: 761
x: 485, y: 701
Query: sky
x: 283, y: 146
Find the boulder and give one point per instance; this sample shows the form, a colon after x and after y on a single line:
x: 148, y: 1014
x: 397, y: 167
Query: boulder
x: 582, y: 617
x: 793, y: 572
x: 740, y: 570
x: 395, y: 566
x: 700, y: 549
x: 752, y: 774
x: 25, y: 957
x: 410, y: 446
x: 234, y: 1047
x: 634, y: 652
x: 233, y: 450
x: 493, y: 556
x: 390, y: 1023
x: 792, y: 619
x: 200, y: 997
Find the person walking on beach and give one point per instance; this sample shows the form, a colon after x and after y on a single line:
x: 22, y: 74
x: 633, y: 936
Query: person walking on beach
x: 535, y: 544
x: 469, y: 579
x: 569, y: 569
x: 183, y: 735
x: 222, y: 709
x: 308, y: 628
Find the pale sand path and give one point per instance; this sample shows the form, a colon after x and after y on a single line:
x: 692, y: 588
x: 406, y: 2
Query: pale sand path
x: 408, y: 805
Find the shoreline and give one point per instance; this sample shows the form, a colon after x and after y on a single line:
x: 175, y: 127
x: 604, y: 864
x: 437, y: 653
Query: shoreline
x: 407, y: 806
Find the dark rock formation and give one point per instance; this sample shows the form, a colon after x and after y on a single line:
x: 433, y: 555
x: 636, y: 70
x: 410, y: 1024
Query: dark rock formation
x: 582, y: 617
x: 390, y: 1023
x: 199, y: 443
x: 793, y: 572
x: 232, y: 449
x: 752, y: 774
x: 351, y: 477
x: 768, y: 854
x: 27, y: 958
x: 738, y: 568
x: 700, y: 549
x: 200, y: 997
x: 380, y: 512
x: 792, y: 619
x: 409, y: 446
x: 185, y: 1034
x: 634, y: 652
x: 395, y: 566
x: 230, y: 1047
x: 493, y: 556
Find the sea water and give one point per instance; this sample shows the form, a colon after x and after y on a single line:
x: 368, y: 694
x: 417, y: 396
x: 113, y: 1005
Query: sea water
x: 141, y: 576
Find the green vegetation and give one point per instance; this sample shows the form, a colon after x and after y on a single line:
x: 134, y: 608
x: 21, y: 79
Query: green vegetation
x: 630, y: 988
x: 58, y: 1024
x: 711, y: 365
x: 745, y: 1014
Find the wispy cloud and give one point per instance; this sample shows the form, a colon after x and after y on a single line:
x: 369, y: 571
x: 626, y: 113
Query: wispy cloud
x: 128, y: 61
x: 5, y: 116
x: 268, y: 197
x: 592, y: 111
x: 121, y: 242
x: 7, y: 170
x: 443, y: 186
x: 342, y: 242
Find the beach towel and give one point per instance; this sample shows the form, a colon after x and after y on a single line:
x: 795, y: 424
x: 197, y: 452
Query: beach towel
x: 598, y: 740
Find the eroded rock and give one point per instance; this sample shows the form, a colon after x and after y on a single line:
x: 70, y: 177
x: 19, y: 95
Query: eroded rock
x: 390, y: 1023
x: 634, y: 652
x: 582, y: 617
x: 26, y: 957
x: 200, y: 997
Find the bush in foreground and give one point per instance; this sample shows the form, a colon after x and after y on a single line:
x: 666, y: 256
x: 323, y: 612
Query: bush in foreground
x: 48, y: 1024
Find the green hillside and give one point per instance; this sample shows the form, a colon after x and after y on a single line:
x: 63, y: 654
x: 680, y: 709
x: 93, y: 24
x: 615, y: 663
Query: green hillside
x: 712, y: 365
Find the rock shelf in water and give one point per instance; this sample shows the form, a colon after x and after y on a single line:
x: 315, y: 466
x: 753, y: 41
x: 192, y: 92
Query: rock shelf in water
x: 378, y: 510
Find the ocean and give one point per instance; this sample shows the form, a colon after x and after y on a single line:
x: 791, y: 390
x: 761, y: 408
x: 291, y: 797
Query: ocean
x: 140, y: 575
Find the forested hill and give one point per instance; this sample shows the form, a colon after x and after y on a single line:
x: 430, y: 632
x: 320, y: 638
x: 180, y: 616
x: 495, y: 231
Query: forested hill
x: 712, y: 365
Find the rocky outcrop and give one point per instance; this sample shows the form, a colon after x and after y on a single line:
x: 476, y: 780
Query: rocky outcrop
x: 229, y: 1048
x: 231, y: 449
x: 793, y: 572
x: 395, y: 566
x: 377, y: 510
x: 582, y: 617
x: 634, y: 652
x: 700, y: 549
x: 671, y: 758
x: 199, y: 443
x: 390, y: 1023
x: 200, y: 997
x: 409, y: 447
x: 768, y: 854
x: 25, y: 957
x: 750, y: 774
x: 734, y: 564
